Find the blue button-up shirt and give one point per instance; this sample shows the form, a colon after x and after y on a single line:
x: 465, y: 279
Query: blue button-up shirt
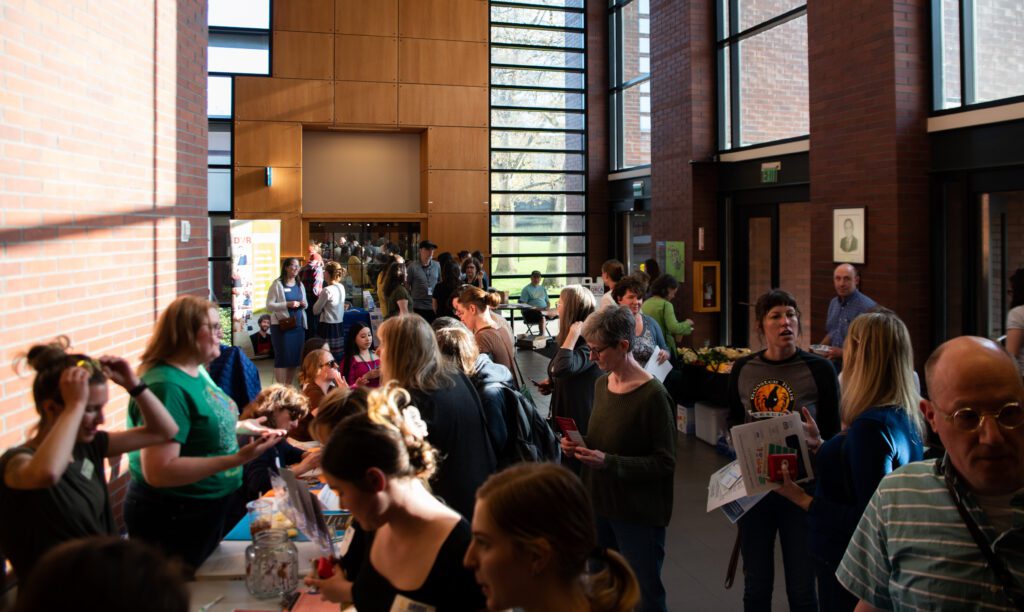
x: 841, y: 313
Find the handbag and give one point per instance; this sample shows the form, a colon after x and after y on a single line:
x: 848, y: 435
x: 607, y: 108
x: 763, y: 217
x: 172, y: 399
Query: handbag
x: 287, y: 323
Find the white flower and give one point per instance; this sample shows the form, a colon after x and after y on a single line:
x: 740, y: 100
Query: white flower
x: 414, y: 423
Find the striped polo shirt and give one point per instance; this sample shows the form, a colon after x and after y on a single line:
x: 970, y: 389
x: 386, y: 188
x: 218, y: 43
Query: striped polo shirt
x: 912, y: 551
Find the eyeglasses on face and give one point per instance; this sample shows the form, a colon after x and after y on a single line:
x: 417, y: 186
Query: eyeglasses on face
x: 596, y: 352
x: 1010, y: 416
x: 330, y: 364
x: 215, y: 328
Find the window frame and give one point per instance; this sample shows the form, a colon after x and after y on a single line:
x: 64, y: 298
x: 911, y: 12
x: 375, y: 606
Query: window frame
x: 617, y: 88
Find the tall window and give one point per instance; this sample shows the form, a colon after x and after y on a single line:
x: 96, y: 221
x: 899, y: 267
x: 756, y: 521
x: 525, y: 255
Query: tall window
x: 977, y: 53
x: 538, y: 140
x: 762, y: 71
x: 239, y: 43
x: 629, y: 24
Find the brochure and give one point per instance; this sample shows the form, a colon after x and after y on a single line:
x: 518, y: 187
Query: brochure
x: 759, y: 446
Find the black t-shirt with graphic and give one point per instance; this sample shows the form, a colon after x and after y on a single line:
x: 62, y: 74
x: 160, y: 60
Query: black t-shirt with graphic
x: 761, y: 388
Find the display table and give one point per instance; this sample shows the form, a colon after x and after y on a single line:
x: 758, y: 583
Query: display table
x: 236, y: 597
x: 227, y: 562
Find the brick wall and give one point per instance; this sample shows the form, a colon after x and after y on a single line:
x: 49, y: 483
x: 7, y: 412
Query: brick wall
x: 102, y: 152
x: 869, y: 84
x: 684, y: 188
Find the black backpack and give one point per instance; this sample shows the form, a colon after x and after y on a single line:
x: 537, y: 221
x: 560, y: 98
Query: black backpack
x: 529, y: 436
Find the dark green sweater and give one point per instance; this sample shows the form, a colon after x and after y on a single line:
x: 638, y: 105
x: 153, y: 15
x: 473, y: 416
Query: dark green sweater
x: 637, y: 433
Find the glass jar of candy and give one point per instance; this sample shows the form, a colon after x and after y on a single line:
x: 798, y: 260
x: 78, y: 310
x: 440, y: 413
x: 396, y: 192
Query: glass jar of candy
x: 271, y: 564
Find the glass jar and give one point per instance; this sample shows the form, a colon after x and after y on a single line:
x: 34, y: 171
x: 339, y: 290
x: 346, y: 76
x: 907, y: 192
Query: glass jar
x: 271, y: 564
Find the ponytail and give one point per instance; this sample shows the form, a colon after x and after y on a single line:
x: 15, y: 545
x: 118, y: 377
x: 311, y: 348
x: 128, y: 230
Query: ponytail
x: 614, y: 588
x: 476, y: 296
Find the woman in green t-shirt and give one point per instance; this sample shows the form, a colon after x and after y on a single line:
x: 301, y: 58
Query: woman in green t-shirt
x: 659, y: 307
x: 183, y: 495
x: 396, y: 294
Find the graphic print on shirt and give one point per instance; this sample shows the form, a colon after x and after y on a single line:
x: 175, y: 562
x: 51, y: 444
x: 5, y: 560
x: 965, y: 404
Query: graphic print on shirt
x: 771, y: 398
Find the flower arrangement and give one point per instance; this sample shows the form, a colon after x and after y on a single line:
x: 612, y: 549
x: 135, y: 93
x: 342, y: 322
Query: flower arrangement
x: 717, y: 359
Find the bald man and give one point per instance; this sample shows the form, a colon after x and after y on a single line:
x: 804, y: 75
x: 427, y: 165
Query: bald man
x: 843, y: 309
x: 913, y: 549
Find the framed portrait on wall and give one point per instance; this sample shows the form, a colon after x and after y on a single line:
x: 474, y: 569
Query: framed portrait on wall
x: 707, y: 286
x: 849, y: 235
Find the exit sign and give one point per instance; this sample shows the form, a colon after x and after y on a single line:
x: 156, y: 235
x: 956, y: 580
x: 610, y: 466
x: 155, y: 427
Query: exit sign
x: 770, y: 172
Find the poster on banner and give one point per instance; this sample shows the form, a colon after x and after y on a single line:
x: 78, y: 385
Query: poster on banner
x: 255, y: 263
x: 763, y: 444
x: 675, y: 259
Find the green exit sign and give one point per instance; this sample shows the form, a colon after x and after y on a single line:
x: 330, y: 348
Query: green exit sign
x: 770, y: 172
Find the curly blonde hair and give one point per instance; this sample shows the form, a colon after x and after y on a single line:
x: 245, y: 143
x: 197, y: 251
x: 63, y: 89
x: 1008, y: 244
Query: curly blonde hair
x: 274, y: 399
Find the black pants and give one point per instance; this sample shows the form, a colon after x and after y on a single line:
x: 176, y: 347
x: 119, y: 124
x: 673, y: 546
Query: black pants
x: 426, y: 313
x: 186, y: 527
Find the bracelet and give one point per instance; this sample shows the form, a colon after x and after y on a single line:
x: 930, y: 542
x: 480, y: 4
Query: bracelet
x: 138, y: 389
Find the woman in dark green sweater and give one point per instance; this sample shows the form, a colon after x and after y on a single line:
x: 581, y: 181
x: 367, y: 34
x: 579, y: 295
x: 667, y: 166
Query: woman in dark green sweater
x: 630, y: 456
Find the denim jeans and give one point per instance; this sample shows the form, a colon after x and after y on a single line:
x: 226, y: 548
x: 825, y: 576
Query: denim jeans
x: 643, y: 546
x: 776, y: 514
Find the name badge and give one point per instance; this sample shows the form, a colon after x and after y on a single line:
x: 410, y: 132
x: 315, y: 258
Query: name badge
x: 404, y: 604
x: 88, y: 469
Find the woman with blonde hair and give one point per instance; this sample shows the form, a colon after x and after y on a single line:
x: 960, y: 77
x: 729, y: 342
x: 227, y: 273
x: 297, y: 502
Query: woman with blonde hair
x: 527, y: 557
x: 183, y: 491
x: 319, y: 376
x: 571, y: 373
x: 883, y: 429
x: 281, y: 407
x: 330, y: 307
x: 378, y: 463
x: 409, y: 357
x: 53, y: 488
x: 493, y: 334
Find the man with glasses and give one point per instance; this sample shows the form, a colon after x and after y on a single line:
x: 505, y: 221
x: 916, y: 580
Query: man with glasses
x: 949, y: 533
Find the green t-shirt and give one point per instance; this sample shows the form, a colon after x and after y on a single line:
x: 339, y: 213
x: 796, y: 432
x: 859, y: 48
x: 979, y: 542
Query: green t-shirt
x: 206, y: 418
x: 399, y: 293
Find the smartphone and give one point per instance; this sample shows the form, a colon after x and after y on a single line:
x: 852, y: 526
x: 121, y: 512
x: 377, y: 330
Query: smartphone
x: 569, y: 429
x: 535, y: 383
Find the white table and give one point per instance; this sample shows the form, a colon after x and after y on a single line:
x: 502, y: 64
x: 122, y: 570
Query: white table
x: 227, y: 562
x: 235, y: 596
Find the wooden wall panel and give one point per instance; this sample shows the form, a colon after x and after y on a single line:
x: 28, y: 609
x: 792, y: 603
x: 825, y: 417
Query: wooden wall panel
x: 443, y: 19
x: 366, y: 103
x: 303, y: 15
x: 303, y: 55
x: 456, y: 231
x: 443, y: 62
x: 452, y: 148
x: 369, y: 17
x: 266, y: 143
x: 456, y: 191
x: 366, y: 58
x: 253, y: 196
x: 428, y: 105
x: 270, y: 99
x: 293, y: 232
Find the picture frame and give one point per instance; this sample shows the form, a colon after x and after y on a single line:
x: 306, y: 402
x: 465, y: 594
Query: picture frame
x: 849, y: 235
x: 707, y: 286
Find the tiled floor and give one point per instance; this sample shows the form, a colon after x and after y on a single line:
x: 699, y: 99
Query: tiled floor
x: 698, y: 543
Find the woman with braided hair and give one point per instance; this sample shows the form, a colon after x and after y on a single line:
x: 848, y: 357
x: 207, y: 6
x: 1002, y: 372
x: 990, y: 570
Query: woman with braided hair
x: 378, y: 463
x: 527, y: 557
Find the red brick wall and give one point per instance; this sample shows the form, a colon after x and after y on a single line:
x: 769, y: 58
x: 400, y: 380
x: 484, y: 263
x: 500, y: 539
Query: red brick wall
x: 869, y: 84
x: 102, y: 152
x: 598, y: 162
x: 684, y: 188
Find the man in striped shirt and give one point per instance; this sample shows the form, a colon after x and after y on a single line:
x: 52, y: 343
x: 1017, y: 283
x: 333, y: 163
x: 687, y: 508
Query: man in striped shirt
x: 912, y: 549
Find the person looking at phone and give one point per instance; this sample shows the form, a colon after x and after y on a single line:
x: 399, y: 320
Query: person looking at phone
x: 774, y: 382
x: 54, y: 487
x: 630, y: 454
x: 882, y: 431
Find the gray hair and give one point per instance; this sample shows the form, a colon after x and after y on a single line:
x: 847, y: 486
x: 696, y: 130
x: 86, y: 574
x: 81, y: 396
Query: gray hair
x: 610, y: 325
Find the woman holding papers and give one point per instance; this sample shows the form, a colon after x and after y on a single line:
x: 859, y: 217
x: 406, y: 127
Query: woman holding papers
x: 774, y: 382
x: 648, y: 338
x: 629, y: 453
x: 883, y: 430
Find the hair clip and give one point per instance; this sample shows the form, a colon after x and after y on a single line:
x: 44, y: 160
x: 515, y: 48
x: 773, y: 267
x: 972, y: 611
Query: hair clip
x: 417, y: 426
x: 89, y: 364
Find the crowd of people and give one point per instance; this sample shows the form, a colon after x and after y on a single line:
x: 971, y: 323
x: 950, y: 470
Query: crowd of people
x: 415, y: 441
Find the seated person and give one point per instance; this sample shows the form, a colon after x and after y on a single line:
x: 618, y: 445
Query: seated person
x: 261, y: 345
x: 282, y: 407
x: 535, y: 295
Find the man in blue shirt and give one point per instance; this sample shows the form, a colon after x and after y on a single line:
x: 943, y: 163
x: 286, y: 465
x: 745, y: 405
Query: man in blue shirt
x: 537, y: 296
x: 843, y: 309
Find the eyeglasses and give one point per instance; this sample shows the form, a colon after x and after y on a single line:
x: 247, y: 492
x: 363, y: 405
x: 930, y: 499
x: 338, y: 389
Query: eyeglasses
x: 596, y: 352
x: 214, y: 328
x: 330, y: 364
x: 1010, y: 416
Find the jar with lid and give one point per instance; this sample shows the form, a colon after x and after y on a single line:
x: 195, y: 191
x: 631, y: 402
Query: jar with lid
x: 271, y: 564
